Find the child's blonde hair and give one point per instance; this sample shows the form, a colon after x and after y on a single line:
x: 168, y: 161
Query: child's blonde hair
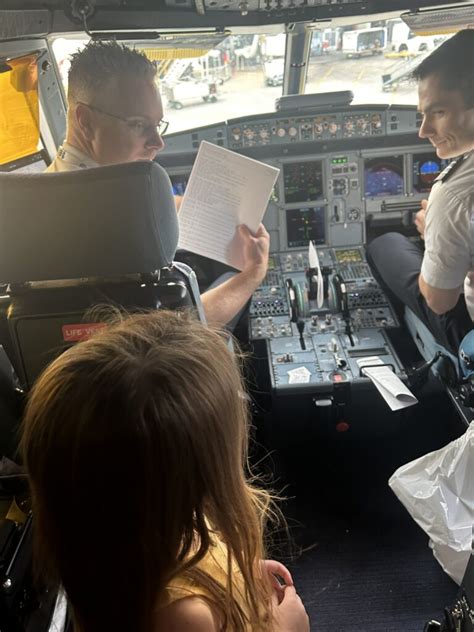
x: 135, y: 443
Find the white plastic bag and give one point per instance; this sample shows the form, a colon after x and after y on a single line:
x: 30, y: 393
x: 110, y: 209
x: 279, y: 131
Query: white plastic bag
x: 438, y: 491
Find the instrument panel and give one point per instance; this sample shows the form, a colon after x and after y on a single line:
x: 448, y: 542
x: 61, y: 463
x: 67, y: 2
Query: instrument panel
x: 345, y: 176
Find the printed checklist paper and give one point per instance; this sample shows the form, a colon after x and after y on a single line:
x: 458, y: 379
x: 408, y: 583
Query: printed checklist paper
x: 389, y: 385
x: 224, y: 190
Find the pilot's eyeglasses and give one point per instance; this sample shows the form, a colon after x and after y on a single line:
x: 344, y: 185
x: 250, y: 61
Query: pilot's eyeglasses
x: 138, y: 126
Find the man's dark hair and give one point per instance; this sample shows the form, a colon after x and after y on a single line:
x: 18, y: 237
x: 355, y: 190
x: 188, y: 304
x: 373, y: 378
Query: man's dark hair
x: 453, y: 63
x: 99, y: 62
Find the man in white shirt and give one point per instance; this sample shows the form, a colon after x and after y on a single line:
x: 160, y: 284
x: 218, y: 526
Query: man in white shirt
x: 115, y: 115
x: 436, y: 284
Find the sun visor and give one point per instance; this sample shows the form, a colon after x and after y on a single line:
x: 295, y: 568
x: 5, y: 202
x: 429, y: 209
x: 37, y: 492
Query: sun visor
x: 438, y: 21
x: 19, y: 108
x: 175, y: 45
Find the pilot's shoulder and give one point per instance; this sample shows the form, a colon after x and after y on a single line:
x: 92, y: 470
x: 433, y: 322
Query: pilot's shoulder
x: 191, y: 614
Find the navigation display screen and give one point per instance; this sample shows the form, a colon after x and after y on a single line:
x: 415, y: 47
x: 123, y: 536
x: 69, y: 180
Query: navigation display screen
x: 305, y: 224
x: 384, y: 176
x: 179, y: 182
x: 426, y: 168
x: 303, y: 181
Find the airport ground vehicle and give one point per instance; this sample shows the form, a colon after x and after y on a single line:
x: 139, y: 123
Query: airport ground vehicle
x: 349, y: 171
x: 189, y: 90
x: 364, y: 42
x: 274, y: 72
x: 401, y: 39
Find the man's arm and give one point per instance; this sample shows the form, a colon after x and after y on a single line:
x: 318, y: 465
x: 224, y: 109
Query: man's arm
x: 438, y: 300
x: 223, y: 302
x: 443, y: 225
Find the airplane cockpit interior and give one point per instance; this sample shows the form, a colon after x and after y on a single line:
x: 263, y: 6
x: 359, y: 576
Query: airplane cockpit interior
x: 323, y: 92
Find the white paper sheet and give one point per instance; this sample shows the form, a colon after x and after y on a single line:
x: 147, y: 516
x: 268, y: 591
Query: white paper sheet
x: 314, y: 263
x: 300, y: 375
x: 389, y: 385
x: 224, y: 190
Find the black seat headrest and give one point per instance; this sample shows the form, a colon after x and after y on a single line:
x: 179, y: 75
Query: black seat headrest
x: 101, y: 222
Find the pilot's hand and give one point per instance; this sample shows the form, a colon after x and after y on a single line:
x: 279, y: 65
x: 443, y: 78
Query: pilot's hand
x: 290, y: 614
x: 274, y: 569
x: 255, y: 251
x: 420, y: 218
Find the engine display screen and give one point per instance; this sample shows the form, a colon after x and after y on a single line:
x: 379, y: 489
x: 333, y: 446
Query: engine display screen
x: 303, y: 181
x: 384, y: 176
x: 179, y: 183
x: 305, y: 224
x: 426, y: 168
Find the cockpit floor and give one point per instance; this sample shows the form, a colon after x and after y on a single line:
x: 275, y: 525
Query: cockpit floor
x: 366, y: 565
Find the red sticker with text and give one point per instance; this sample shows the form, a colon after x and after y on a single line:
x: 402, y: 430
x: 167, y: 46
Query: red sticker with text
x: 83, y: 331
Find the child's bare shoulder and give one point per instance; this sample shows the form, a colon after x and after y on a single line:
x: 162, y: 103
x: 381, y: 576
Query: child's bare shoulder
x: 191, y: 614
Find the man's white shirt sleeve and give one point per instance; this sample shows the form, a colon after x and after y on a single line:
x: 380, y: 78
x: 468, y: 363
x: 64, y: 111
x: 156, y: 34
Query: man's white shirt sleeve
x: 447, y: 257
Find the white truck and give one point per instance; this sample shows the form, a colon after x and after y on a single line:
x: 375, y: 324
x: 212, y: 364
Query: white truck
x: 363, y: 42
x: 402, y: 40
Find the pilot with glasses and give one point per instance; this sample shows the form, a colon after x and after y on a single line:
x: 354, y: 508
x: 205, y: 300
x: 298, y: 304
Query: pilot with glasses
x: 115, y: 115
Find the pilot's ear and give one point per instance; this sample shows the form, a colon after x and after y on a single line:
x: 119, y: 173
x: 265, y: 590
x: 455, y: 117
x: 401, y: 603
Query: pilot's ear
x: 84, y: 120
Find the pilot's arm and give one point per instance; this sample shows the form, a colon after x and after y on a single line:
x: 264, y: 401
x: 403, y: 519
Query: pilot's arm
x: 447, y: 257
x: 439, y: 300
x: 223, y: 302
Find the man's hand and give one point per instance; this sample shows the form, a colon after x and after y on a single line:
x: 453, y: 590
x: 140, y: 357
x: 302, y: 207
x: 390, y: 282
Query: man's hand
x: 225, y: 301
x: 255, y: 251
x: 420, y: 218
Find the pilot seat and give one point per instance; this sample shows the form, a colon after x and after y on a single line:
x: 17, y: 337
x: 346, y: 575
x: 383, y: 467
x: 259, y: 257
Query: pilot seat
x: 71, y: 241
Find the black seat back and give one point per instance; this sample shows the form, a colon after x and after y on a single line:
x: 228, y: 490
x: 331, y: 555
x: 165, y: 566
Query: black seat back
x: 69, y: 241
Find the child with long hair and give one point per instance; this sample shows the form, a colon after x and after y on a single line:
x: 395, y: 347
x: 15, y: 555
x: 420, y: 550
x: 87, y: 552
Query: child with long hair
x: 135, y: 443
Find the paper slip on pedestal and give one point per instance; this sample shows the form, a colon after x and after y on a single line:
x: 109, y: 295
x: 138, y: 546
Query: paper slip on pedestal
x: 389, y: 385
x: 224, y: 190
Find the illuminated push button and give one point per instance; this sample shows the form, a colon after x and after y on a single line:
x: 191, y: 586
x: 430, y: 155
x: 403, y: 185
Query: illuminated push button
x: 281, y: 132
x: 293, y: 131
x: 337, y: 377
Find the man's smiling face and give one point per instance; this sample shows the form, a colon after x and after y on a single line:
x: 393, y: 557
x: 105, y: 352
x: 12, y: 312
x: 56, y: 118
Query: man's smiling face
x: 447, y: 121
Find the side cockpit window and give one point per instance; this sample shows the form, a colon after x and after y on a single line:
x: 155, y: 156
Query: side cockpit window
x: 19, y: 112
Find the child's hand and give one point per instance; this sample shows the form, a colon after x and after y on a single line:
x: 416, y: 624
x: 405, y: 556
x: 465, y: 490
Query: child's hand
x: 289, y: 614
x: 276, y: 569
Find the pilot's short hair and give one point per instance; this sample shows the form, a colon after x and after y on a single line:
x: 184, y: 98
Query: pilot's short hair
x: 453, y: 63
x: 98, y: 62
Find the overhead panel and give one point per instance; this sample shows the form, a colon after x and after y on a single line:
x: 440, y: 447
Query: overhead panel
x: 146, y: 15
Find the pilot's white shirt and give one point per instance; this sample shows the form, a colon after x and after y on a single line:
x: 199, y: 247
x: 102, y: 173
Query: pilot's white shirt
x: 448, y: 261
x: 70, y: 158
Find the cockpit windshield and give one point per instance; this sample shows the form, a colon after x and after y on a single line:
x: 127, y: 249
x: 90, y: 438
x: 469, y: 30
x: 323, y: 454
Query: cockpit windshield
x: 243, y: 74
